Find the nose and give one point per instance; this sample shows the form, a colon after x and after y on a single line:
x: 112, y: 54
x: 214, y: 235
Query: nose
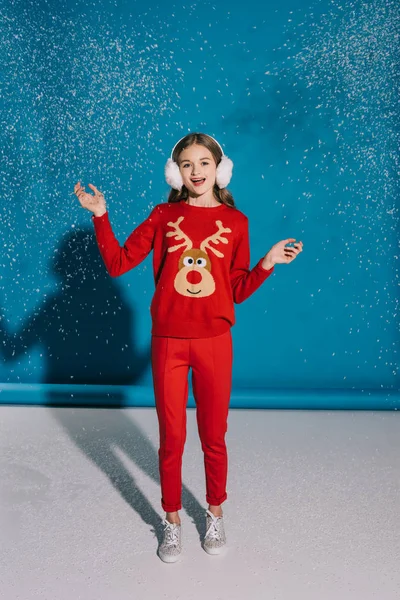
x: 193, y: 277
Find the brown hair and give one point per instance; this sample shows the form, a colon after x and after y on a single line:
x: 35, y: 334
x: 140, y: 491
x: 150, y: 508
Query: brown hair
x: 222, y: 195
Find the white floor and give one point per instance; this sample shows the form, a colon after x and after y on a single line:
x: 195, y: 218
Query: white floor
x: 313, y: 508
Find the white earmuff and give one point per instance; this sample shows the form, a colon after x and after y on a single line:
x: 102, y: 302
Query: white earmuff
x: 223, y: 172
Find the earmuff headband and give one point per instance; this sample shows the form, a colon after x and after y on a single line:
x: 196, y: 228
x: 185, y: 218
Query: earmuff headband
x: 185, y: 136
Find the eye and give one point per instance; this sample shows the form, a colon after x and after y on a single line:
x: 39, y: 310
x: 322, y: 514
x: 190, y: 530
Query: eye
x: 188, y: 261
x: 201, y: 262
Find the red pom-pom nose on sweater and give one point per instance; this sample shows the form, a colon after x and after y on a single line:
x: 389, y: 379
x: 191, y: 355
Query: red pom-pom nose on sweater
x: 194, y: 277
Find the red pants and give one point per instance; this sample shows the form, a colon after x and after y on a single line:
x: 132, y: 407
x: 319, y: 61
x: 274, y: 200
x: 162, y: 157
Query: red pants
x: 211, y: 363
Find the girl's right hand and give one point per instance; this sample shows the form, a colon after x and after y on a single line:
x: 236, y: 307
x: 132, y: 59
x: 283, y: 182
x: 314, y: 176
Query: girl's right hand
x: 96, y: 204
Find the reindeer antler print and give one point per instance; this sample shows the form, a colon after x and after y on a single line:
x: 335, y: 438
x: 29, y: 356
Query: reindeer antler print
x: 179, y: 235
x: 216, y: 238
x: 194, y: 278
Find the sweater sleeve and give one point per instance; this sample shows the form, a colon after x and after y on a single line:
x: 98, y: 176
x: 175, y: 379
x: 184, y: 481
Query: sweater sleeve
x: 118, y: 260
x: 243, y: 280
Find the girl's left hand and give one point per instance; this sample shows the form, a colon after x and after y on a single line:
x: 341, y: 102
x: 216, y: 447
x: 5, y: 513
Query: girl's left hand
x: 280, y: 254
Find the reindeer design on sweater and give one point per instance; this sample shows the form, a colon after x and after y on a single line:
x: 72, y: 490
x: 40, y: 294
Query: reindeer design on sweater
x: 194, y: 276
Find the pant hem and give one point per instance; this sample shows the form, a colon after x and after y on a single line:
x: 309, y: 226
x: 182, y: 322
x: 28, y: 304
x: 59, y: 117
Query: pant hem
x: 216, y: 502
x: 171, y: 508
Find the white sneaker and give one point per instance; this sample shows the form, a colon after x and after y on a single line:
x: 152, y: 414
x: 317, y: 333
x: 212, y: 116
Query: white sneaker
x: 171, y: 546
x: 215, y: 538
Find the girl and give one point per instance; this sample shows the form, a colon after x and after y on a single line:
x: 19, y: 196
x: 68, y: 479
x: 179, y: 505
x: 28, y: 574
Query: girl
x: 201, y: 267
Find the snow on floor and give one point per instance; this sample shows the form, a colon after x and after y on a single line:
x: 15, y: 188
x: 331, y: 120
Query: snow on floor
x: 313, y: 508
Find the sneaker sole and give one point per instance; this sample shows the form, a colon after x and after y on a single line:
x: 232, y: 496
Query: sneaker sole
x: 169, y: 559
x: 214, y: 550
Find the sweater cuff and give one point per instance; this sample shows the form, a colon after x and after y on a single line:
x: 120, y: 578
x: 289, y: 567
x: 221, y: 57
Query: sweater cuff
x: 266, y: 271
x: 102, y: 218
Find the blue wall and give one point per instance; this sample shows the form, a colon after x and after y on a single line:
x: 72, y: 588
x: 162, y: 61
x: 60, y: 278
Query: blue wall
x: 304, y: 101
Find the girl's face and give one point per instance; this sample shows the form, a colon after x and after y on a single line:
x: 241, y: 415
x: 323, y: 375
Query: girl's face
x: 197, y: 163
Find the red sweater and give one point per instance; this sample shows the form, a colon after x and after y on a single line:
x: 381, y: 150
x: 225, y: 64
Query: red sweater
x: 201, y: 261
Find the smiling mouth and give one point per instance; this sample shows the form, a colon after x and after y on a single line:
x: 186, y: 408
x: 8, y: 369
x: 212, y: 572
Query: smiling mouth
x: 198, y: 181
x: 193, y: 292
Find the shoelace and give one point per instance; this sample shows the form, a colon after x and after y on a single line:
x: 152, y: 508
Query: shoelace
x: 172, y: 534
x: 213, y: 530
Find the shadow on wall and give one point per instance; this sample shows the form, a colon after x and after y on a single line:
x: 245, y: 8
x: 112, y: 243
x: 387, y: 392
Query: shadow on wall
x: 85, y: 329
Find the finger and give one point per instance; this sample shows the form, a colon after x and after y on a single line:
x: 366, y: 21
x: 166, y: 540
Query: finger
x: 295, y: 248
x: 289, y: 258
x: 97, y: 193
